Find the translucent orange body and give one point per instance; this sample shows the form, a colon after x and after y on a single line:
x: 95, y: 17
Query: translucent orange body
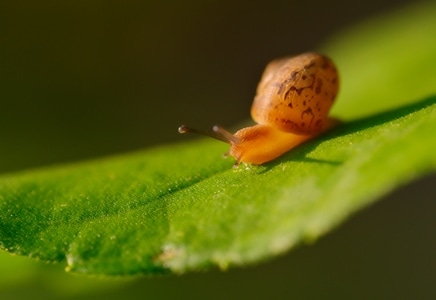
x: 261, y: 143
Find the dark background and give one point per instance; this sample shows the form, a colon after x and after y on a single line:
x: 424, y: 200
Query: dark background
x: 82, y: 79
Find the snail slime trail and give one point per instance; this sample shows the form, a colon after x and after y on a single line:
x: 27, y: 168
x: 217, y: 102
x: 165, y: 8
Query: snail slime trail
x: 291, y: 106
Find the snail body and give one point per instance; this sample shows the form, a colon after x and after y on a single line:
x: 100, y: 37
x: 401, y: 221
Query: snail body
x: 291, y: 106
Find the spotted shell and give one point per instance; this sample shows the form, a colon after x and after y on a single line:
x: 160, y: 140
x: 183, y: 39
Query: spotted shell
x: 295, y: 94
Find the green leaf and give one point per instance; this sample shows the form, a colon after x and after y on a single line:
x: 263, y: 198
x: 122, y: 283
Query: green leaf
x: 181, y: 207
x: 386, y: 62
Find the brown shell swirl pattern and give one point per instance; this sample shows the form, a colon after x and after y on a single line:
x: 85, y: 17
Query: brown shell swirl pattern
x: 295, y: 94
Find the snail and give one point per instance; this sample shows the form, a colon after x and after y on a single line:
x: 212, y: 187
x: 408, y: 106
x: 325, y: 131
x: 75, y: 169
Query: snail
x: 291, y: 106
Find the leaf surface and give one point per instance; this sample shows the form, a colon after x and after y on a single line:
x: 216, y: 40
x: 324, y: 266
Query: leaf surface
x: 182, y: 207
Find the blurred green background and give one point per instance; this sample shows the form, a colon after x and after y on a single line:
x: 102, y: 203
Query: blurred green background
x: 83, y: 79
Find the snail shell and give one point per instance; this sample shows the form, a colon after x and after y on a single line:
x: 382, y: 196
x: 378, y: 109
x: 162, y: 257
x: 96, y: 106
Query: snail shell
x: 295, y: 94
